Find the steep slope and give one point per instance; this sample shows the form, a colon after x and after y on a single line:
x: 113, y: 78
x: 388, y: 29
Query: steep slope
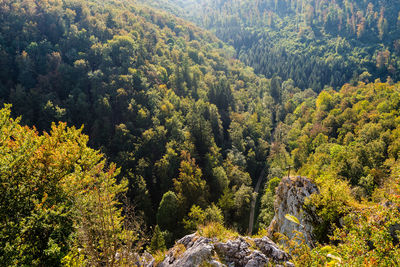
x: 163, y: 99
x: 192, y: 127
x: 347, y: 142
x: 314, y: 43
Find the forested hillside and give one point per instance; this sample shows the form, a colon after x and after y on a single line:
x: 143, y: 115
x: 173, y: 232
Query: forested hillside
x: 188, y: 124
x: 192, y: 130
x: 347, y: 139
x: 348, y: 143
x: 314, y: 43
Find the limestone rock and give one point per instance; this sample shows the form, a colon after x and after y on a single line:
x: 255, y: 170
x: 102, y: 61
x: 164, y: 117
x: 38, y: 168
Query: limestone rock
x: 290, y: 197
x: 196, y: 250
x: 270, y: 249
x: 237, y: 253
x: 242, y: 251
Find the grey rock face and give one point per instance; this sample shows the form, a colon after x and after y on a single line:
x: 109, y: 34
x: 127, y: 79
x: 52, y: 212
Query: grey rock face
x: 237, y: 253
x: 290, y: 196
x: 270, y: 249
x: 255, y: 259
x: 240, y: 252
x: 197, y: 250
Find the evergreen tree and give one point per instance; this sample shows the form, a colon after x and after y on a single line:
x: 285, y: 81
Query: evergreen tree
x: 157, y: 241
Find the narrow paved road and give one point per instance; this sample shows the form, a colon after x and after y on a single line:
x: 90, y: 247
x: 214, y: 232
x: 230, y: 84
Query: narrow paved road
x: 254, y: 200
x: 260, y: 179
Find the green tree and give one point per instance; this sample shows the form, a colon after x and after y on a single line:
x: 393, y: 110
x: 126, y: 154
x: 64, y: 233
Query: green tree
x: 168, y: 212
x: 157, y: 241
x: 267, y: 203
x: 199, y: 217
x: 60, y: 201
x: 189, y: 186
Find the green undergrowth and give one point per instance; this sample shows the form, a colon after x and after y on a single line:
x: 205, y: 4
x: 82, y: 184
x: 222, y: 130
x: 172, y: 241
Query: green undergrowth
x: 218, y: 231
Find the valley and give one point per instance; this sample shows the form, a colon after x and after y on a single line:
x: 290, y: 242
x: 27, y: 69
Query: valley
x: 169, y: 127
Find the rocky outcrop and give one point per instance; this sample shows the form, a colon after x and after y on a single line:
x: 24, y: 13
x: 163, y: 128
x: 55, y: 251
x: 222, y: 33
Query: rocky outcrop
x: 195, y: 250
x: 290, y: 196
x: 237, y: 253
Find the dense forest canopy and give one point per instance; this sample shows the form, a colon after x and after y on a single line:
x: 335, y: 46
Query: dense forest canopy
x: 163, y: 99
x: 191, y: 128
x: 314, y: 43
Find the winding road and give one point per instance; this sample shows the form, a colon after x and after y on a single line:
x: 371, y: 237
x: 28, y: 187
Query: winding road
x: 254, y: 200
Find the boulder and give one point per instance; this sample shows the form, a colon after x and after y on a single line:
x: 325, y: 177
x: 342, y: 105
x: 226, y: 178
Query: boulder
x: 196, y: 251
x: 270, y: 249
